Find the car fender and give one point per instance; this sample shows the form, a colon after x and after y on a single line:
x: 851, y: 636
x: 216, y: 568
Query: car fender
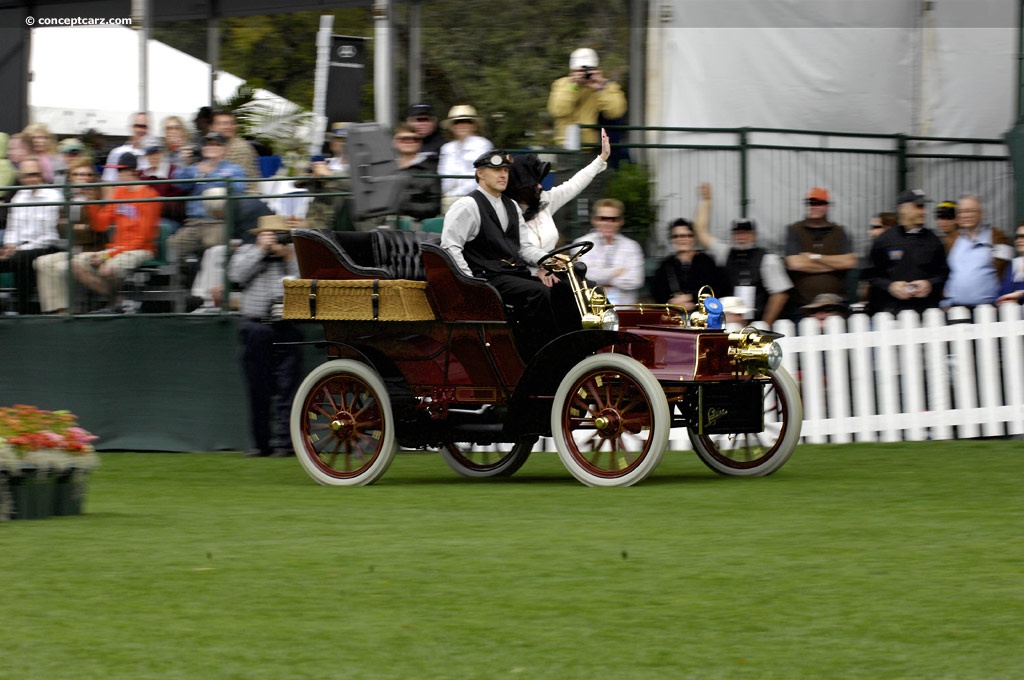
x: 545, y: 371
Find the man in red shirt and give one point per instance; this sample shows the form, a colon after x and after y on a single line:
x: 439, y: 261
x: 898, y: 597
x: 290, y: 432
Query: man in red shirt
x: 136, y: 226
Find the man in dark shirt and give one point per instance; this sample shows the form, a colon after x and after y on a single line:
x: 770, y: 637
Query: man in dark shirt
x: 818, y: 253
x: 423, y: 121
x: 908, y: 261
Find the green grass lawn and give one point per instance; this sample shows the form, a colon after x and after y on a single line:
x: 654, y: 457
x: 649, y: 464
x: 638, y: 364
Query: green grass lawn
x: 857, y: 561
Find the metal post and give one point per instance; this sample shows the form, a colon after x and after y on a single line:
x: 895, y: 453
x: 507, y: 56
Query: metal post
x: 382, y: 93
x: 213, y: 54
x: 415, y: 52
x: 744, y: 165
x: 141, y: 21
x: 323, y: 65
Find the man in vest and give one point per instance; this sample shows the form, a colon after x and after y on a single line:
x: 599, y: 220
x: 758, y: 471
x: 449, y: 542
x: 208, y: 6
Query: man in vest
x: 818, y: 253
x: 756, y: 277
x: 481, y: 233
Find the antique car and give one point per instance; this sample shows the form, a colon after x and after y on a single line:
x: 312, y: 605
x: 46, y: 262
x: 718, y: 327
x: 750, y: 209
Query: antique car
x: 421, y: 356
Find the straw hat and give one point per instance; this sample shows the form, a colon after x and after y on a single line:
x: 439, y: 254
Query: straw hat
x: 460, y: 112
x: 270, y: 223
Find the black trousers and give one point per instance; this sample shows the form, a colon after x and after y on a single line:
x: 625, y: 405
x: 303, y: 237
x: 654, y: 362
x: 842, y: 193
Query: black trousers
x: 534, y: 321
x: 20, y: 264
x: 272, y: 375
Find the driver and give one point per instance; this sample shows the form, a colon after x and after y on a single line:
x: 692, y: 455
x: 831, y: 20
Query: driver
x: 482, y: 234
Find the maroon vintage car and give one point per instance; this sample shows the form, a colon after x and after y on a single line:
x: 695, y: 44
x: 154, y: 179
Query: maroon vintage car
x: 423, y: 357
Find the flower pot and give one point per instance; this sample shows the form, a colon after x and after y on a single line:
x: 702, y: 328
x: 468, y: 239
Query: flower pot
x: 69, y: 492
x: 32, y: 494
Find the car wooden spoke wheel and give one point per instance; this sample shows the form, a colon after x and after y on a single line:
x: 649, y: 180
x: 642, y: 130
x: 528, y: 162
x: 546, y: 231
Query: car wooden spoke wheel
x: 756, y: 454
x: 501, y: 460
x: 610, y: 421
x: 341, y: 424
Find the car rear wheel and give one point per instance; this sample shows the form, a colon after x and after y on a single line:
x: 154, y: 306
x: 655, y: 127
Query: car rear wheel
x: 610, y: 421
x: 757, y: 454
x: 504, y: 461
x: 341, y: 424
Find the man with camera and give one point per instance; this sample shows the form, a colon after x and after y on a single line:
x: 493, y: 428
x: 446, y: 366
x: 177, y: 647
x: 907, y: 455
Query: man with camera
x: 584, y: 95
x: 272, y: 370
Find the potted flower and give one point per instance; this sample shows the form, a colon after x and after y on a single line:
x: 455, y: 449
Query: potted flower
x: 44, y: 460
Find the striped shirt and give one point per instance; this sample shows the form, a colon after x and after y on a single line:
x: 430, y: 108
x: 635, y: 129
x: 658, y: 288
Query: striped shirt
x: 32, y: 227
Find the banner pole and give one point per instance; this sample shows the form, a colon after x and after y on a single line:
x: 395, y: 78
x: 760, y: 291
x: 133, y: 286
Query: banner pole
x: 323, y: 58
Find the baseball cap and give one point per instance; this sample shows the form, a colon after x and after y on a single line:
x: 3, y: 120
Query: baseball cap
x: 126, y: 161
x: 582, y: 58
x: 915, y: 196
x: 495, y: 158
x: 817, y: 194
x: 744, y: 224
x: 946, y: 210
x: 421, y: 109
x: 339, y: 130
x: 70, y: 145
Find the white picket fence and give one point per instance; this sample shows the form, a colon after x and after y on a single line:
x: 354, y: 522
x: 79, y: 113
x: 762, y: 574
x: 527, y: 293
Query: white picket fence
x: 910, y: 378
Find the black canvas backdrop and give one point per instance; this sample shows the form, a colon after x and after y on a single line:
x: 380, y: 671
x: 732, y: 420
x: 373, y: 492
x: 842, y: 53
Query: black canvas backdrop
x: 139, y: 382
x: 345, y: 73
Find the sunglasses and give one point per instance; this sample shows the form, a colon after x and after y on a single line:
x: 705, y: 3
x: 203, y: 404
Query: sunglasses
x: 679, y: 236
x: 1018, y: 236
x: 141, y: 126
x: 607, y: 218
x: 815, y: 201
x: 460, y: 121
x: 407, y: 138
x: 423, y: 119
x: 31, y: 174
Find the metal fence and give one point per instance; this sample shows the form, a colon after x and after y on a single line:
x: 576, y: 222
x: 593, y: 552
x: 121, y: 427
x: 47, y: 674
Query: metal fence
x: 765, y: 174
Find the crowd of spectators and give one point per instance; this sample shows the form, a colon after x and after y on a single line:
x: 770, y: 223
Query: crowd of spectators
x: 908, y: 266
x: 963, y: 261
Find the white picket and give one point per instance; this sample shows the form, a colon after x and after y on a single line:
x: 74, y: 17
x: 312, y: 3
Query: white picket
x: 1012, y: 343
x: 912, y: 387
x: 861, y: 367
x: 937, y: 370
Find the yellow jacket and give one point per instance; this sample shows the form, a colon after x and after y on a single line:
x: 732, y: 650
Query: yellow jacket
x: 569, y: 104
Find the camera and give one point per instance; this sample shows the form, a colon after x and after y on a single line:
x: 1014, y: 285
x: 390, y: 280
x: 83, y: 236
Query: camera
x: 197, y: 153
x: 283, y: 237
x: 588, y: 72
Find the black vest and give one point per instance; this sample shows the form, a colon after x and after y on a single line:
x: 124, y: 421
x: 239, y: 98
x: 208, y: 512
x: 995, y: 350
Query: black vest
x: 494, y: 251
x: 743, y: 268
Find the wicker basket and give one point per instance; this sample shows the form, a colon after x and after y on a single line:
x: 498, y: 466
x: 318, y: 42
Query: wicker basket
x: 360, y: 300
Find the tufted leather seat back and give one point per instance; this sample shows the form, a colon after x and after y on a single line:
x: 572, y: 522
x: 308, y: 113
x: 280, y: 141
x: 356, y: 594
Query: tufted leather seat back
x: 398, y: 252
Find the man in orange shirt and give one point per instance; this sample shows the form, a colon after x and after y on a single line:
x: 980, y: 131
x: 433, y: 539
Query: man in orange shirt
x: 135, y: 230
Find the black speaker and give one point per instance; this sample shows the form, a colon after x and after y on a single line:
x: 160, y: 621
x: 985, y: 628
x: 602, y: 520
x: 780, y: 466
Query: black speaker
x: 376, y: 184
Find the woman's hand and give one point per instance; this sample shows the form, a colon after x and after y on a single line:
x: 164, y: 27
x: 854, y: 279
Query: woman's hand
x: 606, y: 146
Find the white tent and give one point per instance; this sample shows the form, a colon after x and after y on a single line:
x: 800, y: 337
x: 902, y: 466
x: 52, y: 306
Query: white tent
x: 88, y: 77
x: 939, y: 69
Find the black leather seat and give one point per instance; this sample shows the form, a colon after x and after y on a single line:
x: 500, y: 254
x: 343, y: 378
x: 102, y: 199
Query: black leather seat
x: 398, y: 252
x: 326, y: 254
